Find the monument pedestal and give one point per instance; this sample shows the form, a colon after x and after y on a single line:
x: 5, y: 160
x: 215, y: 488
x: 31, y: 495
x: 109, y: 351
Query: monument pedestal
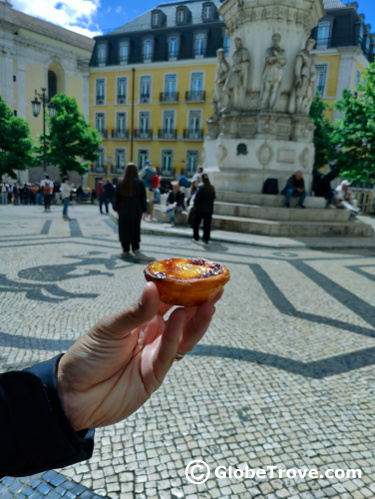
x: 260, y: 128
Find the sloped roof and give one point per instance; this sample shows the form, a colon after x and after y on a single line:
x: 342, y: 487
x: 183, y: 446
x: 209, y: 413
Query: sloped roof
x: 52, y: 31
x: 333, y: 4
x: 143, y: 22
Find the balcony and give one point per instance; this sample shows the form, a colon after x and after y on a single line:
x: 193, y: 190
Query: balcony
x: 195, y: 96
x: 99, y: 100
x: 169, y: 97
x: 167, y: 134
x: 99, y: 168
x: 145, y: 98
x: 192, y: 134
x: 103, y: 133
x: 143, y: 134
x: 120, y: 134
x: 121, y: 99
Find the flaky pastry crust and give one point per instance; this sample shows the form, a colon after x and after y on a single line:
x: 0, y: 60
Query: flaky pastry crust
x: 187, y: 281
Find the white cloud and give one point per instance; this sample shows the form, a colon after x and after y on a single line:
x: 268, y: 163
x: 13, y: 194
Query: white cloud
x: 75, y: 15
x: 118, y: 9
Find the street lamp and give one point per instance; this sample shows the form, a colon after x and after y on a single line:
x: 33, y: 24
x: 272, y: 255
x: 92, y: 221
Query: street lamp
x: 52, y: 113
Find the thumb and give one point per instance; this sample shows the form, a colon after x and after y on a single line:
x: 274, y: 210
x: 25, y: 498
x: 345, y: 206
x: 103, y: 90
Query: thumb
x: 120, y: 324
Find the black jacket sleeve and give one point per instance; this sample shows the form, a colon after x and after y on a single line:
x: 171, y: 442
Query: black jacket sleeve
x: 35, y: 433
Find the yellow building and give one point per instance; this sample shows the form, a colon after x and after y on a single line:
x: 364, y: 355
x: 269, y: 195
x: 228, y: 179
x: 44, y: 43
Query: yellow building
x: 344, y: 48
x: 34, y: 55
x: 152, y: 81
x: 151, y: 86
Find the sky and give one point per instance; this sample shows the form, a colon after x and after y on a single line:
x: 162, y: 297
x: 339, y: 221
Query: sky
x: 96, y: 17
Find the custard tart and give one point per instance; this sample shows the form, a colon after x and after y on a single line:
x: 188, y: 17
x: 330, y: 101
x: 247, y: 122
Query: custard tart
x: 187, y: 281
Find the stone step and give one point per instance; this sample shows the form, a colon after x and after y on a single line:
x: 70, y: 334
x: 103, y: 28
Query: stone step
x: 266, y: 199
x: 281, y: 213
x: 277, y: 228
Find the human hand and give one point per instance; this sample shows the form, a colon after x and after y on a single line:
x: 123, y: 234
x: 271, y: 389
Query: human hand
x: 114, y: 368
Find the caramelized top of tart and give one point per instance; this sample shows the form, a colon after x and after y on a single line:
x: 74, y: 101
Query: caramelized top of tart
x: 184, y: 268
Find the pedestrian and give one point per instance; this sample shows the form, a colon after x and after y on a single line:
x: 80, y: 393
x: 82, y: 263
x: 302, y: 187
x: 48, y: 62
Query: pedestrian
x: 322, y: 186
x: 16, y: 194
x: 185, y: 182
x: 203, y: 209
x: 100, y: 195
x: 131, y: 206
x: 47, y: 186
x: 175, y: 202
x: 295, y: 186
x: 108, y: 194
x: 57, y: 193
x: 66, y: 190
x: 147, y: 176
x: 49, y: 411
x: 344, y: 198
x: 4, y: 193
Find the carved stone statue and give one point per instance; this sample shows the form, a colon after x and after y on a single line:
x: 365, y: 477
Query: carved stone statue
x: 311, y: 90
x: 272, y: 72
x: 238, y: 77
x: 302, y: 75
x: 222, y: 71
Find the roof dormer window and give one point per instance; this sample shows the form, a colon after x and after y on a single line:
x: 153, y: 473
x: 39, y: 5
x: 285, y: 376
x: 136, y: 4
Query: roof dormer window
x: 183, y: 15
x: 180, y: 16
x: 157, y: 18
x: 208, y: 11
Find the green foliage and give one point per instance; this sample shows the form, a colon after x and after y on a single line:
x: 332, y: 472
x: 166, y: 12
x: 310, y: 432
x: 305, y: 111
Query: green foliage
x: 324, y: 147
x: 71, y: 143
x: 15, y: 142
x: 354, y: 133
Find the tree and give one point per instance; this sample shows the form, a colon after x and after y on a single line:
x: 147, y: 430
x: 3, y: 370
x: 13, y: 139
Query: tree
x: 71, y: 143
x: 16, y: 144
x: 354, y: 133
x: 324, y: 147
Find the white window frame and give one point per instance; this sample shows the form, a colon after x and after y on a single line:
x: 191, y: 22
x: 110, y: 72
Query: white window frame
x: 168, y: 84
x: 189, y: 172
x: 181, y: 16
x: 198, y: 113
x: 142, y: 100
x: 324, y: 74
x: 143, y: 153
x: 166, y: 172
x: 171, y: 129
x: 207, y: 9
x: 102, y: 48
x: 119, y: 150
x: 122, y: 99
x: 173, y: 54
x: 124, y: 59
x: 192, y: 84
x: 100, y: 97
x: 97, y: 115
x: 156, y: 19
x: 101, y: 156
x: 123, y: 129
x: 147, y: 50
x: 324, y: 28
x: 200, y: 45
x: 140, y: 120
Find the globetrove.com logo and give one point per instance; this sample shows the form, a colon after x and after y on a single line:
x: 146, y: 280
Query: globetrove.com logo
x: 198, y: 472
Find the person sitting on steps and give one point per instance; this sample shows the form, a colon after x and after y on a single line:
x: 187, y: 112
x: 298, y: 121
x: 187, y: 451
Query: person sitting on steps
x: 295, y: 186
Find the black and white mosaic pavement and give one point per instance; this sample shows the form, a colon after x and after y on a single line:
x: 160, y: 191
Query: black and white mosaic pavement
x: 285, y: 375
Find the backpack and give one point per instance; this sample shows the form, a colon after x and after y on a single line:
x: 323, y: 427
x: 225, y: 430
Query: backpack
x: 271, y: 186
x: 47, y: 189
x: 155, y: 181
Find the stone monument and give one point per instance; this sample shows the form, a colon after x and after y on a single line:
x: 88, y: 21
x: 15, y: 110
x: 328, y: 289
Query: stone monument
x: 260, y: 127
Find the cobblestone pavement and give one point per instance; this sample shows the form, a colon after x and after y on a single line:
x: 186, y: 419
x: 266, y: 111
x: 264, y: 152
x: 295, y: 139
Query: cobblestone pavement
x: 284, y: 377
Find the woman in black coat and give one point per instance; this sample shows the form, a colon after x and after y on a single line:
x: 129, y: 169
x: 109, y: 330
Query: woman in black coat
x: 203, y: 208
x: 130, y: 204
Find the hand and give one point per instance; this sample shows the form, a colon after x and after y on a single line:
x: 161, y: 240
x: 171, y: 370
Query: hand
x: 114, y: 368
x: 143, y: 215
